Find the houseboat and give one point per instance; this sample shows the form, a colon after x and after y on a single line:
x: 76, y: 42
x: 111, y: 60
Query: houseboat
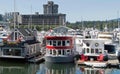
x: 92, y: 49
x: 59, y: 46
x: 20, y: 44
x: 109, y: 44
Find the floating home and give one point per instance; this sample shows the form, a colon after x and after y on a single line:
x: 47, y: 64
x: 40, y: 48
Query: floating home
x: 20, y: 44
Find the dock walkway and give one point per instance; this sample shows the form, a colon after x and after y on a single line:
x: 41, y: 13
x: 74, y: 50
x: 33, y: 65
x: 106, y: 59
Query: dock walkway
x: 111, y: 63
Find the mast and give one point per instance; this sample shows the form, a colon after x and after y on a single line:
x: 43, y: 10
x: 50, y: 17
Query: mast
x: 118, y: 19
x: 14, y: 20
x: 30, y: 19
x: 82, y: 22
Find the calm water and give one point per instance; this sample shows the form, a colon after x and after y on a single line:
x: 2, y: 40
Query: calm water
x: 47, y: 68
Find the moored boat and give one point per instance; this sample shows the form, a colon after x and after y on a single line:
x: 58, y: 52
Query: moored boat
x: 92, y: 52
x: 59, y: 46
x: 21, y: 44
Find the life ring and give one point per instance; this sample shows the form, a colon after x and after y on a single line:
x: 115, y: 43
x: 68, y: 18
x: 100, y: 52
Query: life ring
x: 96, y: 44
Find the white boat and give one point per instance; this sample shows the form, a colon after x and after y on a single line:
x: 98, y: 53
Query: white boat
x: 91, y: 49
x: 4, y: 30
x: 96, y: 64
x: 108, y: 38
x: 59, y: 46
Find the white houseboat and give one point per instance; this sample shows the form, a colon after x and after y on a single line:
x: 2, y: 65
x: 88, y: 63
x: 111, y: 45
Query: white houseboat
x: 92, y: 49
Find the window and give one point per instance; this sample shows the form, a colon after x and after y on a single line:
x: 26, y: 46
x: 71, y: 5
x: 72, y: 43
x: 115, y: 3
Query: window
x: 54, y: 52
x: 59, y: 43
x: 12, y: 52
x: 84, y: 50
x: 92, y: 50
x: 87, y: 44
x: 100, y: 51
x: 50, y: 51
x: 59, y: 52
x: 68, y: 52
x: 63, y: 43
x: 54, y: 43
x: 67, y: 43
x: 87, y: 50
x: 96, y: 50
x: 63, y: 51
x: 50, y: 42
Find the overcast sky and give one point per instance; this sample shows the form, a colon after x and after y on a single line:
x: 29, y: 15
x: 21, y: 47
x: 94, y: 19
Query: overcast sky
x: 76, y: 10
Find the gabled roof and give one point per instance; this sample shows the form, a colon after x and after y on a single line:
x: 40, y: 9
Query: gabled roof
x: 62, y: 29
x: 25, y: 31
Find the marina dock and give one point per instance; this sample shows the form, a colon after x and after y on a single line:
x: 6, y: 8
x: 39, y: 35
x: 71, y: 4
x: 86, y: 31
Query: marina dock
x: 111, y: 63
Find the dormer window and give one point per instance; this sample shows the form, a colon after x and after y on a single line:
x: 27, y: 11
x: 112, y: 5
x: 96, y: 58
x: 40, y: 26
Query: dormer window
x: 87, y: 44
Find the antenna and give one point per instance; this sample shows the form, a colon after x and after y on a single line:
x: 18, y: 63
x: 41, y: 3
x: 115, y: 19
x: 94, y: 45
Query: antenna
x: 118, y: 19
x: 82, y: 23
x: 14, y: 19
x: 30, y: 18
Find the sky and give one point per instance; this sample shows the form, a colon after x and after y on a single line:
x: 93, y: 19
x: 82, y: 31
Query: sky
x: 75, y: 10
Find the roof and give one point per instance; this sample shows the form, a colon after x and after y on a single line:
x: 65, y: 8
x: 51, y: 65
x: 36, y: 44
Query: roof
x: 62, y: 29
x: 26, y: 31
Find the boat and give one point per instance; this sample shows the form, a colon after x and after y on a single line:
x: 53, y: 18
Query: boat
x: 21, y: 44
x: 59, y: 46
x: 4, y: 30
x: 92, y: 52
x: 92, y: 49
x: 109, y: 44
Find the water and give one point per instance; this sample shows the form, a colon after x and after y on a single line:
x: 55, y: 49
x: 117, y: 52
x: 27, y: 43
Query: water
x: 48, y: 68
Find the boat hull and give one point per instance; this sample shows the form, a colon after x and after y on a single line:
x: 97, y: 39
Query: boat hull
x: 59, y: 59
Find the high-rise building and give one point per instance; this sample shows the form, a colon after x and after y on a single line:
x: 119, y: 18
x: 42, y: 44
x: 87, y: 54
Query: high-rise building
x: 50, y: 8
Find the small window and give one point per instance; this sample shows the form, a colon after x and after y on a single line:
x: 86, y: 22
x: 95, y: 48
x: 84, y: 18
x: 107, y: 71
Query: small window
x: 67, y: 43
x: 54, y: 43
x: 63, y: 43
x: 54, y: 52
x: 92, y: 50
x: 59, y: 52
x: 87, y: 50
x: 96, y: 50
x: 63, y: 51
x: 50, y: 51
x: 59, y: 43
x: 50, y: 42
x: 68, y: 51
x: 100, y: 51
x: 87, y: 44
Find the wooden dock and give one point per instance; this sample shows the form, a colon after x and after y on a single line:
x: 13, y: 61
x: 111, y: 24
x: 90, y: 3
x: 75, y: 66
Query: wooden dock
x: 109, y: 63
x: 37, y: 59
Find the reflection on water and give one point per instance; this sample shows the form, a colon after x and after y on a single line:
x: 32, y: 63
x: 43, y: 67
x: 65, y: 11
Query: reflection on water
x: 92, y: 71
x: 85, y: 70
x: 17, y: 68
x: 60, y: 68
x: 49, y: 68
